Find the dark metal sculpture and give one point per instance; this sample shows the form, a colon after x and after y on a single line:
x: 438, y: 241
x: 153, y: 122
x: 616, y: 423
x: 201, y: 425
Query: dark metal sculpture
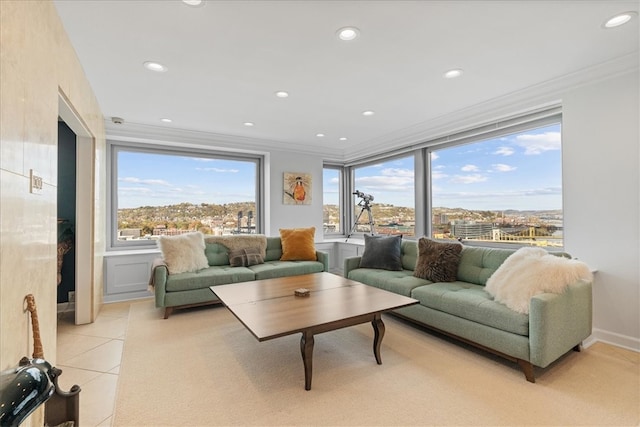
x: 34, y: 382
x: 24, y: 389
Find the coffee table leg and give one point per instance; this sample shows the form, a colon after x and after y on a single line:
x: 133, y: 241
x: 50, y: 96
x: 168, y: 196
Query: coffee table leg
x: 378, y: 330
x: 306, y: 348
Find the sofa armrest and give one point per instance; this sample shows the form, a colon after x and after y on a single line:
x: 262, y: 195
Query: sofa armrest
x: 559, y: 322
x: 323, y: 257
x: 350, y: 263
x: 158, y: 280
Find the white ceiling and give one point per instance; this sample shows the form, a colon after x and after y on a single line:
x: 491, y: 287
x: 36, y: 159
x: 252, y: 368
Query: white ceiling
x: 227, y: 59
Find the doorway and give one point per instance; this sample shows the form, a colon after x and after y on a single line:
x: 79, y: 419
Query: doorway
x: 86, y: 294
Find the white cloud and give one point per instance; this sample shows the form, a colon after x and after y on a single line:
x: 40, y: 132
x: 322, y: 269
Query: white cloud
x: 134, y: 180
x: 504, y: 151
x: 539, y: 143
x: 396, y: 172
x: 390, y: 179
x: 434, y: 156
x: 470, y: 168
x: 501, y: 167
x: 438, y: 175
x: 218, y: 170
x: 468, y: 179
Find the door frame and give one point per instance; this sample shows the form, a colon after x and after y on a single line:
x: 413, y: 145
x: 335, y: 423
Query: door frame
x: 85, y: 292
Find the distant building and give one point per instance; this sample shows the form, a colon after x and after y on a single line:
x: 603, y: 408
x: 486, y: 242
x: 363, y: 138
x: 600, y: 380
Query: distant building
x: 472, y: 230
x: 129, y: 233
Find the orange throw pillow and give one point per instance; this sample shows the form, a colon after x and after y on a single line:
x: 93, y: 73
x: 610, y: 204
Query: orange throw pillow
x: 298, y: 244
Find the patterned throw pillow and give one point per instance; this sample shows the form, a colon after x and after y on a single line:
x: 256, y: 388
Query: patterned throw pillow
x: 382, y: 252
x: 245, y: 257
x: 437, y: 262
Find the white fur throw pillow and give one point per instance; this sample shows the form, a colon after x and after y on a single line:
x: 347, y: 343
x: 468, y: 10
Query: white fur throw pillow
x: 533, y: 271
x: 183, y: 253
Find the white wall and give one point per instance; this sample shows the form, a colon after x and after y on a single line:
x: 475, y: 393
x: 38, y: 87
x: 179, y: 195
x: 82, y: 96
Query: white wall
x: 294, y: 216
x: 601, y: 199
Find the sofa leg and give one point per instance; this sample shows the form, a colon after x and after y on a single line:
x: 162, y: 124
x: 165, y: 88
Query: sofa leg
x: 527, y: 368
x: 167, y: 312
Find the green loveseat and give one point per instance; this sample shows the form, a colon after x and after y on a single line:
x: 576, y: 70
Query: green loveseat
x: 556, y: 323
x: 192, y: 289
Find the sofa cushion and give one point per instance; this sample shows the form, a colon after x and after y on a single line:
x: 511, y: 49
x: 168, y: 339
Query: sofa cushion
x: 274, y: 249
x: 471, y: 302
x: 298, y: 244
x: 382, y: 252
x: 478, y: 264
x: 239, y: 241
x: 217, y: 254
x: 245, y: 257
x: 210, y: 276
x: 400, y: 282
x: 183, y: 253
x: 271, y: 269
x: 409, y: 254
x: 437, y: 261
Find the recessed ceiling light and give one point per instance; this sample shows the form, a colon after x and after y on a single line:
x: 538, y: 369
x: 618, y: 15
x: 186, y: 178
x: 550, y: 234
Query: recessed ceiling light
x: 282, y: 94
x: 368, y: 113
x: 452, y: 74
x: 248, y: 124
x: 619, y: 19
x: 165, y: 120
x: 348, y: 33
x: 319, y: 135
x: 155, y: 66
x: 343, y: 139
x: 194, y: 3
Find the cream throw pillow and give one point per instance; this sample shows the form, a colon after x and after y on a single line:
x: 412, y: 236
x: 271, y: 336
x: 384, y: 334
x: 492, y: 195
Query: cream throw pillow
x: 183, y: 253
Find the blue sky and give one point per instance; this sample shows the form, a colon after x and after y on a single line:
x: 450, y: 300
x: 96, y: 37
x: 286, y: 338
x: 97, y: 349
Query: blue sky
x: 158, y: 180
x: 520, y: 171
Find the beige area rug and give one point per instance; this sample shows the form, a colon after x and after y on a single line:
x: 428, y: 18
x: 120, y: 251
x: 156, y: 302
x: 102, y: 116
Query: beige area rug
x: 201, y: 367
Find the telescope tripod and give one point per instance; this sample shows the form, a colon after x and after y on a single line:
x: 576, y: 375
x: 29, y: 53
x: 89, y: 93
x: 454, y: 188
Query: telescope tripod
x: 365, y: 207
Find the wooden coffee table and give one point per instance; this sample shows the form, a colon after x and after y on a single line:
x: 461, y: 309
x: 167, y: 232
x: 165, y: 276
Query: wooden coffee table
x: 269, y: 309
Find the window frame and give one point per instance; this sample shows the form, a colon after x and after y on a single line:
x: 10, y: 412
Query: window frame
x: 113, y: 147
x: 487, y: 134
x: 352, y: 202
x: 341, y: 214
x: 521, y: 122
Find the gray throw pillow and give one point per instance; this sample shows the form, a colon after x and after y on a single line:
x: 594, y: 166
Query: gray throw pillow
x: 245, y: 257
x: 437, y: 262
x: 382, y: 252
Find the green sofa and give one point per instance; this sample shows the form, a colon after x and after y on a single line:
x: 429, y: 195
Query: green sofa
x: 556, y: 323
x: 192, y: 289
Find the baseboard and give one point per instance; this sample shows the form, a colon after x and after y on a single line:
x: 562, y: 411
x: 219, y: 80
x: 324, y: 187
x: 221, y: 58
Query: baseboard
x: 63, y: 307
x: 624, y: 341
x: 129, y: 296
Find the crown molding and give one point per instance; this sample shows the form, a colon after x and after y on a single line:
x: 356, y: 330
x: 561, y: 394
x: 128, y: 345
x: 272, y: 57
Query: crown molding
x: 533, y: 97
x: 175, y: 137
x: 530, y: 98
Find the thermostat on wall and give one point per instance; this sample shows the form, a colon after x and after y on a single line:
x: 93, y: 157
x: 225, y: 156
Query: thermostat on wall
x: 35, y: 182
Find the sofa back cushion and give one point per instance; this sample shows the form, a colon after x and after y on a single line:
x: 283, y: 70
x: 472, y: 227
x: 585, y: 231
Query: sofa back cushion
x: 478, y: 264
x: 274, y: 249
x: 216, y: 253
x: 409, y: 254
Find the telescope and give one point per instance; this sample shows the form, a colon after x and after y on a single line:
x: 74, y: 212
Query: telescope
x: 366, y: 197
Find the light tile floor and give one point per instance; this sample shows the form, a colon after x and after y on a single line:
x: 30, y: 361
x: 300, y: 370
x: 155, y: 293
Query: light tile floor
x: 89, y: 355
